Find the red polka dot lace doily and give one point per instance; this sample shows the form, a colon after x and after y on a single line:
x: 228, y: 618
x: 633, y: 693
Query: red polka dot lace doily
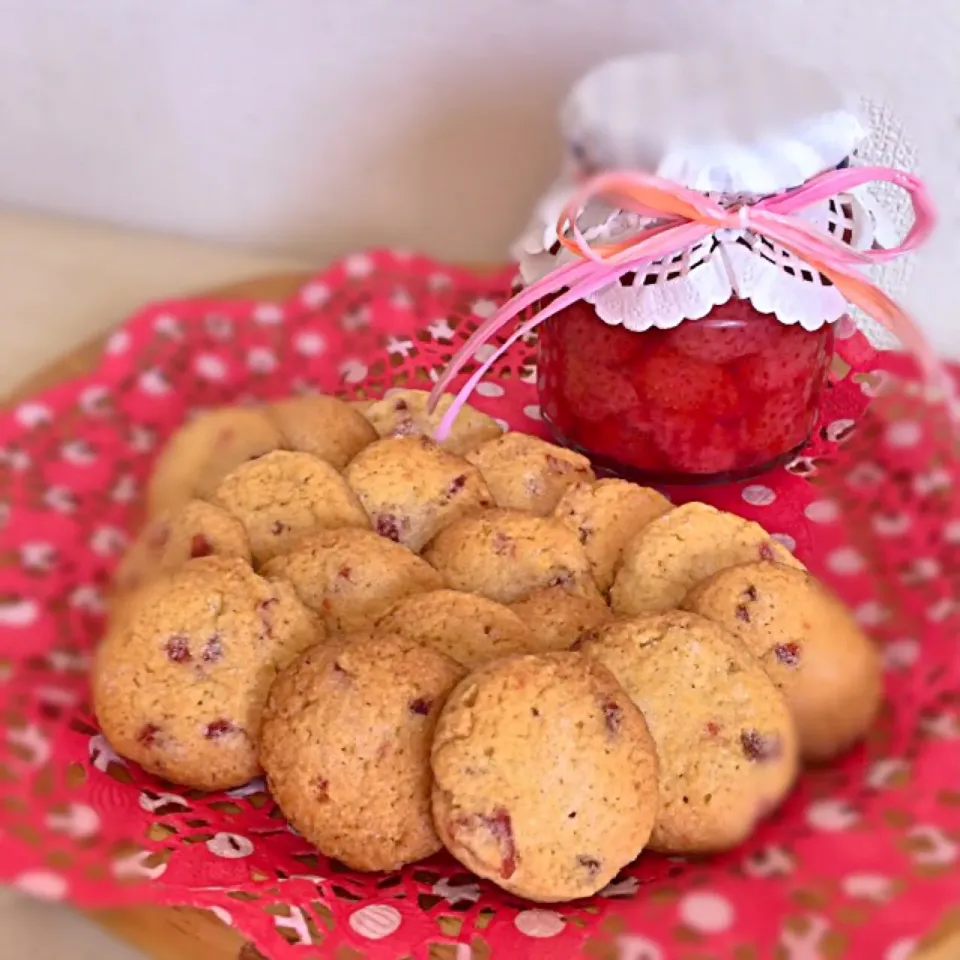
x: 860, y: 862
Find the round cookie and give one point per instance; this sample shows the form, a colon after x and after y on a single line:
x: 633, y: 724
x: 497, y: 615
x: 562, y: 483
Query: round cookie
x: 180, y: 680
x: 283, y: 496
x: 404, y: 414
x: 169, y: 540
x: 726, y: 740
x: 412, y: 488
x: 203, y: 451
x: 327, y: 427
x: 505, y: 555
x: 546, y: 776
x: 810, y: 646
x: 686, y: 545
x: 469, y: 629
x: 527, y: 473
x: 350, y: 577
x: 346, y: 748
x: 606, y: 515
x: 556, y: 617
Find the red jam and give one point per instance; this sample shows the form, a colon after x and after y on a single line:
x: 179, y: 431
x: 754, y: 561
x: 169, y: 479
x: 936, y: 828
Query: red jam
x: 713, y: 400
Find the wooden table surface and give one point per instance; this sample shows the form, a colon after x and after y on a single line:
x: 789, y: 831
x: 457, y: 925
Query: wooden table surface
x: 181, y: 933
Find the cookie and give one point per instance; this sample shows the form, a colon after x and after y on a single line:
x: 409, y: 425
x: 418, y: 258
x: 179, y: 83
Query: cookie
x: 346, y: 748
x: 686, y: 545
x: 527, y: 473
x: 726, y: 740
x: 180, y: 681
x: 283, y: 496
x: 324, y: 426
x: 412, y: 488
x: 810, y: 646
x: 545, y: 776
x: 606, y: 515
x: 469, y: 629
x: 351, y: 577
x: 197, y: 529
x: 203, y: 451
x: 404, y: 414
x: 556, y: 617
x: 505, y: 555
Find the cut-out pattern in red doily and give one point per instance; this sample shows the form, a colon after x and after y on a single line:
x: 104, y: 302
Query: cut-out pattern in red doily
x: 861, y: 860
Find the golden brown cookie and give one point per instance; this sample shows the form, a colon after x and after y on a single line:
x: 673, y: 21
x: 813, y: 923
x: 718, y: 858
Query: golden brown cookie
x: 412, y: 488
x: 346, y: 748
x: 686, y: 545
x: 470, y: 629
x: 351, y: 577
x: 527, y: 473
x: 169, y: 540
x: 556, y: 617
x: 283, y: 496
x: 180, y: 681
x: 606, y: 515
x: 203, y: 451
x: 404, y: 414
x: 546, y: 776
x: 726, y: 740
x: 325, y: 426
x: 505, y: 555
x: 810, y: 646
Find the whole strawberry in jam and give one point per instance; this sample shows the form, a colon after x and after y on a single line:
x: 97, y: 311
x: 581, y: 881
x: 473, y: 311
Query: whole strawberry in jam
x: 717, y: 398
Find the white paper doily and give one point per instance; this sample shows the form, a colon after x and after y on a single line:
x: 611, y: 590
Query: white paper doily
x: 745, y: 128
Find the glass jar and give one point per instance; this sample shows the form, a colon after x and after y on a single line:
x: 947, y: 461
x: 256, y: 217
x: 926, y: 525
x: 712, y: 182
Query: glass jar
x: 712, y: 400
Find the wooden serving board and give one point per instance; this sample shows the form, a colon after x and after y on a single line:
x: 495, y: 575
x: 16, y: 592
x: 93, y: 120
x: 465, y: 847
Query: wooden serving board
x: 182, y: 933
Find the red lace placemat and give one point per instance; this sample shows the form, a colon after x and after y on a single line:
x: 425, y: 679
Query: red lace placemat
x: 861, y: 860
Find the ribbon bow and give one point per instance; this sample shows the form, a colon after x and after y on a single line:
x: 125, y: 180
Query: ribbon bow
x: 682, y: 218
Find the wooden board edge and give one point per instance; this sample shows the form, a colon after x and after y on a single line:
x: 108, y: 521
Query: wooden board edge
x: 185, y: 933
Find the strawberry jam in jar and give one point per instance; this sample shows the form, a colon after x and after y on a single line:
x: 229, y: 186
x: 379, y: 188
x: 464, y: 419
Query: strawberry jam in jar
x: 716, y: 399
x: 708, y: 362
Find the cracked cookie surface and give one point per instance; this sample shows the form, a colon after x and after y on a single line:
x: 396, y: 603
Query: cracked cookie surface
x: 673, y: 553
x: 726, y: 740
x: 412, y: 488
x: 346, y: 747
x: 546, y: 776
x: 180, y: 681
x: 811, y: 647
x: 283, y: 496
x: 505, y: 555
x: 351, y: 577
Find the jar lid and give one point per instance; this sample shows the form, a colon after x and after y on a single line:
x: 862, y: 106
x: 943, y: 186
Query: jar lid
x: 712, y: 121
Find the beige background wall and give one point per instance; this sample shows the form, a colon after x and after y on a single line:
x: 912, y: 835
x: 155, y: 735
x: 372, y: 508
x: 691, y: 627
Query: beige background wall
x: 314, y: 126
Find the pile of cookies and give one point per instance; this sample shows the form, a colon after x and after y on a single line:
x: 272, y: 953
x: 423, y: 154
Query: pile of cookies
x: 475, y: 645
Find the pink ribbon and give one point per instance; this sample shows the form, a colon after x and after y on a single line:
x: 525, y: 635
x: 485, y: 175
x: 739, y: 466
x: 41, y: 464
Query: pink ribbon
x: 684, y: 217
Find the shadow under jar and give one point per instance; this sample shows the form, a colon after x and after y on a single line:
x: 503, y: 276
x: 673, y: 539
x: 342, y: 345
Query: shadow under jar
x: 712, y: 400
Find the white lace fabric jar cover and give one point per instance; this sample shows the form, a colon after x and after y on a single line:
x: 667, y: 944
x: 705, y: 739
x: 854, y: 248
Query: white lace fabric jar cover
x: 737, y: 129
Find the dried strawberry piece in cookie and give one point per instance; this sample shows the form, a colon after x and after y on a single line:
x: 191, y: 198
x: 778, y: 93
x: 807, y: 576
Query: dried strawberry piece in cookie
x: 489, y: 834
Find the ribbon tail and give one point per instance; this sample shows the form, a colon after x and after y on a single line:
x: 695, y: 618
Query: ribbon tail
x: 560, y: 303
x: 550, y: 284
